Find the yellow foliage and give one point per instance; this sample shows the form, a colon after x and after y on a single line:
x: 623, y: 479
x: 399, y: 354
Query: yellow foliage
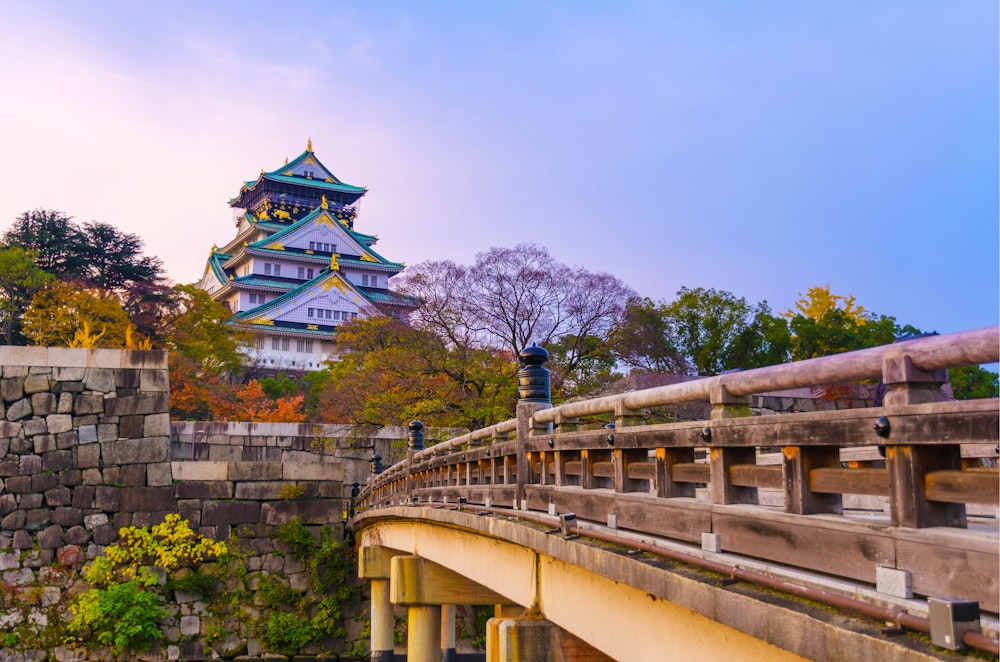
x: 84, y: 338
x: 818, y: 300
x: 168, y: 545
x: 131, y: 342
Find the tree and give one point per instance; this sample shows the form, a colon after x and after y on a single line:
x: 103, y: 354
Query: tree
x: 512, y: 297
x: 56, y: 240
x: 250, y: 403
x: 643, y: 339
x: 973, y: 382
x: 113, y: 260
x: 830, y: 324
x: 390, y: 373
x: 20, y: 279
x: 64, y: 315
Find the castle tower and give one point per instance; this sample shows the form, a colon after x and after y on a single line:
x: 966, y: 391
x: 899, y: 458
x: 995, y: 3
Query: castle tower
x: 297, y: 269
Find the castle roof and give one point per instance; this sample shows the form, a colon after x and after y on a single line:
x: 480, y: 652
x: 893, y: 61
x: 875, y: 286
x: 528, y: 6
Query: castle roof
x: 294, y: 172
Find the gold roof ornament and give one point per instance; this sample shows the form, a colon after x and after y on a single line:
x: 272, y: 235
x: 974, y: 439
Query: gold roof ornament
x: 214, y: 248
x: 230, y: 276
x: 286, y: 160
x: 309, y: 145
x: 323, y: 204
x: 333, y: 262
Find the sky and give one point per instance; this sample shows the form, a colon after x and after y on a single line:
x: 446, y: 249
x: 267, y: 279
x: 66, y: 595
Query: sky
x: 758, y: 148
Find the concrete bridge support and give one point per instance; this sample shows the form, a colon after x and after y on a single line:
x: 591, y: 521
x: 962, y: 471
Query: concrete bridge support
x: 529, y: 640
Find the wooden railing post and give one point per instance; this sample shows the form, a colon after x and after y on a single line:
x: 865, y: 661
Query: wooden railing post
x: 725, y: 405
x: 533, y: 394
x: 909, y: 465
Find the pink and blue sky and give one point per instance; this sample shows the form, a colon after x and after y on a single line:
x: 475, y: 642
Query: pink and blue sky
x: 760, y: 148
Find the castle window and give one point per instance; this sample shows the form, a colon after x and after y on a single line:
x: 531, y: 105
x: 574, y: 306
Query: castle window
x: 275, y: 345
x: 312, y: 245
x: 277, y: 270
x: 328, y: 314
x: 310, y: 313
x: 364, y: 279
x: 309, y: 347
x: 309, y: 274
x: 260, y: 342
x: 267, y: 268
x: 374, y: 281
x: 284, y: 344
x: 354, y: 316
x: 302, y: 272
x: 300, y: 345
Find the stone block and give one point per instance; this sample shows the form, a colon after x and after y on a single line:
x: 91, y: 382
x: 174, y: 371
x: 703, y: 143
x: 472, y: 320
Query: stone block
x: 230, y: 512
x: 261, y: 490
x: 37, y: 519
x: 65, y: 405
x: 58, y: 422
x: 159, y: 474
x: 89, y: 403
x: 104, y: 358
x: 260, y: 454
x: 43, y: 482
x: 897, y: 583
x: 70, y: 477
x: 20, y: 446
x: 9, y: 560
x: 110, y: 475
x: 34, y: 426
x: 95, y: 520
x: 29, y: 501
x: 51, y: 537
x: 203, y: 489
x: 121, y: 519
x: 22, y: 540
x: 127, y: 378
x: 29, y: 464
x: 67, y: 516
x: 67, y: 357
x: 12, y: 389
x: 43, y: 404
x: 10, y: 371
x: 88, y: 434
x: 136, y: 451
x: 83, y: 496
x: 100, y: 380
x: 153, y: 381
x: 153, y: 403
x: 76, y: 535
x: 36, y: 384
x: 134, y: 475
x: 22, y: 577
x: 44, y: 443
x: 251, y: 471
x: 14, y: 522
x: 310, y: 512
x: 88, y: 457
x: 130, y: 427
x: 105, y: 535
x: 19, y: 410
x: 92, y: 476
x: 57, y: 460
x: 18, y: 484
x: 58, y: 496
x: 148, y: 359
x: 67, y: 440
x: 8, y: 429
x: 201, y: 471
x: 69, y: 374
x: 137, y: 499
x: 107, y: 431
x: 157, y: 425
x: 8, y: 504
x: 108, y: 498
x: 218, y: 453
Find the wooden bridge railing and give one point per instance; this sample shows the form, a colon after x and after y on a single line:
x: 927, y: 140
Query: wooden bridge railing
x: 646, y: 477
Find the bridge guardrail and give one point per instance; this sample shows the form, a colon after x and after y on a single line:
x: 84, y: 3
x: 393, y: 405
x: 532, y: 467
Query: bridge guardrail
x: 646, y: 477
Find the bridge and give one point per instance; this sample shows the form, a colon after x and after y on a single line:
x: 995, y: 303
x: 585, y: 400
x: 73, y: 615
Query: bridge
x: 598, y: 533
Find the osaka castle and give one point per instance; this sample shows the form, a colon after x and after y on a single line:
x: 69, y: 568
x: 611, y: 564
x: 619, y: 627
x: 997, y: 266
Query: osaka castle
x: 297, y: 269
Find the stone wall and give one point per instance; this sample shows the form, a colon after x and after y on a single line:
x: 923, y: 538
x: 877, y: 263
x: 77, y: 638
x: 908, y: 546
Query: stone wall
x: 87, y: 447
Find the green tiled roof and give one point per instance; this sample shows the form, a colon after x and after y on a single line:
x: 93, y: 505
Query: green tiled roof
x: 254, y: 280
x: 390, y: 297
x: 215, y: 261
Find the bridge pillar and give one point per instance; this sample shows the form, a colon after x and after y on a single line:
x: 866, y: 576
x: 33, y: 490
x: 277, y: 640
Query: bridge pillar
x: 529, y: 640
x: 423, y: 587
x: 448, y: 652
x: 374, y: 565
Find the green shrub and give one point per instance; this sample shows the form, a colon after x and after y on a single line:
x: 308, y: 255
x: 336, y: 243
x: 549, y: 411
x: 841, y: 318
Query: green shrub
x: 122, y: 616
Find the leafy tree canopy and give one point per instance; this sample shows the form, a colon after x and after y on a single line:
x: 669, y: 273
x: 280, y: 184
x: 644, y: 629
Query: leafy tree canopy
x: 20, y: 279
x: 65, y: 315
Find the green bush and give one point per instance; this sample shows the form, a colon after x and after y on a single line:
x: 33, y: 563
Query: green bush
x: 122, y: 616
